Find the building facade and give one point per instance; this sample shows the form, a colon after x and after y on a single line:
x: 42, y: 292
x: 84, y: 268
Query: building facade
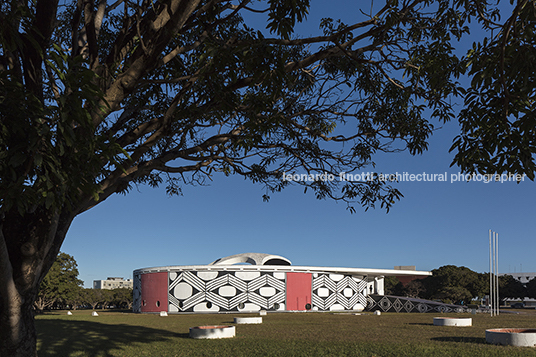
x: 270, y: 282
x: 113, y: 283
x: 524, y: 278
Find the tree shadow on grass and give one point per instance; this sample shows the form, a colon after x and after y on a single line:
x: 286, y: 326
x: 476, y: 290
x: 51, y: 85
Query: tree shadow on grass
x: 421, y: 324
x: 63, y: 337
x: 478, y: 340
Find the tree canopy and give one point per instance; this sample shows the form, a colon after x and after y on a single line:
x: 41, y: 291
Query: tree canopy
x: 459, y: 285
x: 456, y: 284
x: 60, y: 283
x: 498, y: 120
x: 116, y: 96
x: 98, y: 97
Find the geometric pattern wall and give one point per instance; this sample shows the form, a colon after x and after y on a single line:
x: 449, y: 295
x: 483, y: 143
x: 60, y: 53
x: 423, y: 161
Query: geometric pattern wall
x: 271, y: 283
x: 236, y: 291
x: 338, y: 292
x: 213, y: 291
x: 387, y: 303
x: 136, y: 306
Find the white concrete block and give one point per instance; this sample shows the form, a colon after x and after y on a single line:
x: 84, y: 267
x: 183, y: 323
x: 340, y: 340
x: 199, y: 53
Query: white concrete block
x: 247, y: 320
x: 212, y: 332
x: 520, y: 337
x: 453, y: 321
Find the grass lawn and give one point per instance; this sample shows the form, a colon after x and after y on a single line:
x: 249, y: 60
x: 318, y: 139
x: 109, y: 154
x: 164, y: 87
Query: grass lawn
x: 280, y: 334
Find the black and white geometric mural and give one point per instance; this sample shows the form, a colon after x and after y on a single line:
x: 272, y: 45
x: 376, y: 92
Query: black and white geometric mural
x: 213, y: 291
x: 269, y: 283
x: 387, y: 303
x: 338, y: 292
x: 136, y: 293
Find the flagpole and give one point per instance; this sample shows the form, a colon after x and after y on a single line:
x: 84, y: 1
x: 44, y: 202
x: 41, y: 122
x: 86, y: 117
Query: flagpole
x: 497, y: 271
x: 490, y: 299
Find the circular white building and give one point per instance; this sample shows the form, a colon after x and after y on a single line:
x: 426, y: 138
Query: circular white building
x: 270, y: 282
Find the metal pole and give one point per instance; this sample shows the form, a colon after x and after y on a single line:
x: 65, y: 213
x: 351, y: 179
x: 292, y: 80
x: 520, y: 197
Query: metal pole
x: 494, y: 300
x: 497, y: 271
x: 494, y: 277
x: 490, y: 301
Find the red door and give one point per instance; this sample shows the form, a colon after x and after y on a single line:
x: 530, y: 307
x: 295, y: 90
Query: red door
x: 154, y: 294
x: 299, y: 291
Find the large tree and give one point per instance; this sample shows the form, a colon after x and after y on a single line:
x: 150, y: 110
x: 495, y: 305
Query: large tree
x: 123, y: 298
x: 60, y: 283
x: 97, y: 97
x: 457, y: 284
x: 94, y: 297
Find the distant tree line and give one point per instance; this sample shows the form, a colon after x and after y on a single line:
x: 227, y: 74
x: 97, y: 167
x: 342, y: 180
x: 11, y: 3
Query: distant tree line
x: 459, y: 285
x: 61, y: 289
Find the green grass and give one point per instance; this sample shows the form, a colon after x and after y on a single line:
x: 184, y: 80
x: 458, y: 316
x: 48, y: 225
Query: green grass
x: 281, y: 334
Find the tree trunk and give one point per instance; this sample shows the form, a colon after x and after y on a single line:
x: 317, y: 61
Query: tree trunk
x: 17, y: 329
x: 29, y: 244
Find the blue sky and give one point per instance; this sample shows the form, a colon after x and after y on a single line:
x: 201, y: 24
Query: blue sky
x: 435, y: 224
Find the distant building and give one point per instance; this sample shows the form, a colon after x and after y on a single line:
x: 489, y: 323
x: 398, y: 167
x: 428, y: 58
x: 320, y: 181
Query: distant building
x: 524, y: 278
x: 113, y: 283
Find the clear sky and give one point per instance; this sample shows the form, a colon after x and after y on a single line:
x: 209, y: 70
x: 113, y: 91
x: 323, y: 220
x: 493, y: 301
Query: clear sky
x: 435, y: 224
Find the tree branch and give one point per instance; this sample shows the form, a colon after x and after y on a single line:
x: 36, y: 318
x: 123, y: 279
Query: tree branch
x: 157, y: 33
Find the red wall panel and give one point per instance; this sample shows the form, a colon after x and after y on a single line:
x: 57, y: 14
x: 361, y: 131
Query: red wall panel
x: 298, y: 291
x: 154, y: 294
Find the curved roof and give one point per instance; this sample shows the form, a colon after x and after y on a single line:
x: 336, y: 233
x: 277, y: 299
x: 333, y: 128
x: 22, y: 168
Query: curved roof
x: 276, y: 263
x: 253, y: 259
x: 371, y: 273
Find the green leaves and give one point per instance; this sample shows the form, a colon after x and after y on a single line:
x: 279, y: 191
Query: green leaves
x: 50, y: 155
x: 284, y: 14
x: 499, y: 116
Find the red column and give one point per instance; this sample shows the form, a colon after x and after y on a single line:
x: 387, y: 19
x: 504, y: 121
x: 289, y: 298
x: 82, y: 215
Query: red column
x: 299, y: 291
x: 154, y: 294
